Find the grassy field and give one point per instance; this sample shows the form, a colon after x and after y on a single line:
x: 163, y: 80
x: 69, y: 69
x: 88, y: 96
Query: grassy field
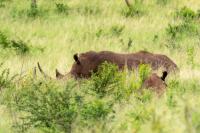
x: 56, y: 29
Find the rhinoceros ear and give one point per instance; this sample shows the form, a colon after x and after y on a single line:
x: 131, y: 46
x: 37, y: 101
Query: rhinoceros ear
x: 76, y: 59
x: 164, y: 75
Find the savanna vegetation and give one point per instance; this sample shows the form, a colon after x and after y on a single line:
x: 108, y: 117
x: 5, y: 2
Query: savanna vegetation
x: 51, y: 31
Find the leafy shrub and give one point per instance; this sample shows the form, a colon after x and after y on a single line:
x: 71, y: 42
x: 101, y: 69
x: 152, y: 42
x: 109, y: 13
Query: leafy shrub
x: 32, y: 12
x: 117, y: 30
x: 176, y: 31
x: 129, y: 44
x: 54, y: 107
x: 135, y: 10
x: 108, y: 81
x: 99, y: 33
x: 45, y: 106
x: 186, y: 13
x: 126, y: 44
x: 4, y: 41
x: 96, y: 110
x: 155, y: 38
x: 62, y: 8
x: 188, y: 26
x: 144, y: 71
x: 105, y: 80
x: 174, y: 87
x: 19, y: 46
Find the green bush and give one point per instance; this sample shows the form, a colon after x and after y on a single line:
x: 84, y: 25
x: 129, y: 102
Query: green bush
x: 144, y: 71
x: 186, y: 13
x: 129, y: 44
x: 18, y: 46
x: 96, y: 110
x: 126, y: 43
x: 188, y: 26
x: 106, y: 80
x: 177, y: 31
x: 32, y: 12
x: 4, y: 41
x: 62, y: 8
x: 45, y: 106
x: 117, y: 30
x: 99, y: 33
x: 52, y: 106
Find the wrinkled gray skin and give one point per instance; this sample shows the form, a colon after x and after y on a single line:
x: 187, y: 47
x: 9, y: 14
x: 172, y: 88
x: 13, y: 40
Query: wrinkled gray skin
x: 88, y: 62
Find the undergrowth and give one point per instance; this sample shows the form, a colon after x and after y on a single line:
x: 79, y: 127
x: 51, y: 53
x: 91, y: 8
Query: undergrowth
x: 18, y: 46
x: 54, y: 107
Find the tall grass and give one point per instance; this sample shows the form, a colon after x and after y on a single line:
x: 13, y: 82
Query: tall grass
x: 62, y: 28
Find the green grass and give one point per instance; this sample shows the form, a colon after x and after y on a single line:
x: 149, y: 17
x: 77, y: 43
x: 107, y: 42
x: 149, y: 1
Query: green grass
x: 54, y: 34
